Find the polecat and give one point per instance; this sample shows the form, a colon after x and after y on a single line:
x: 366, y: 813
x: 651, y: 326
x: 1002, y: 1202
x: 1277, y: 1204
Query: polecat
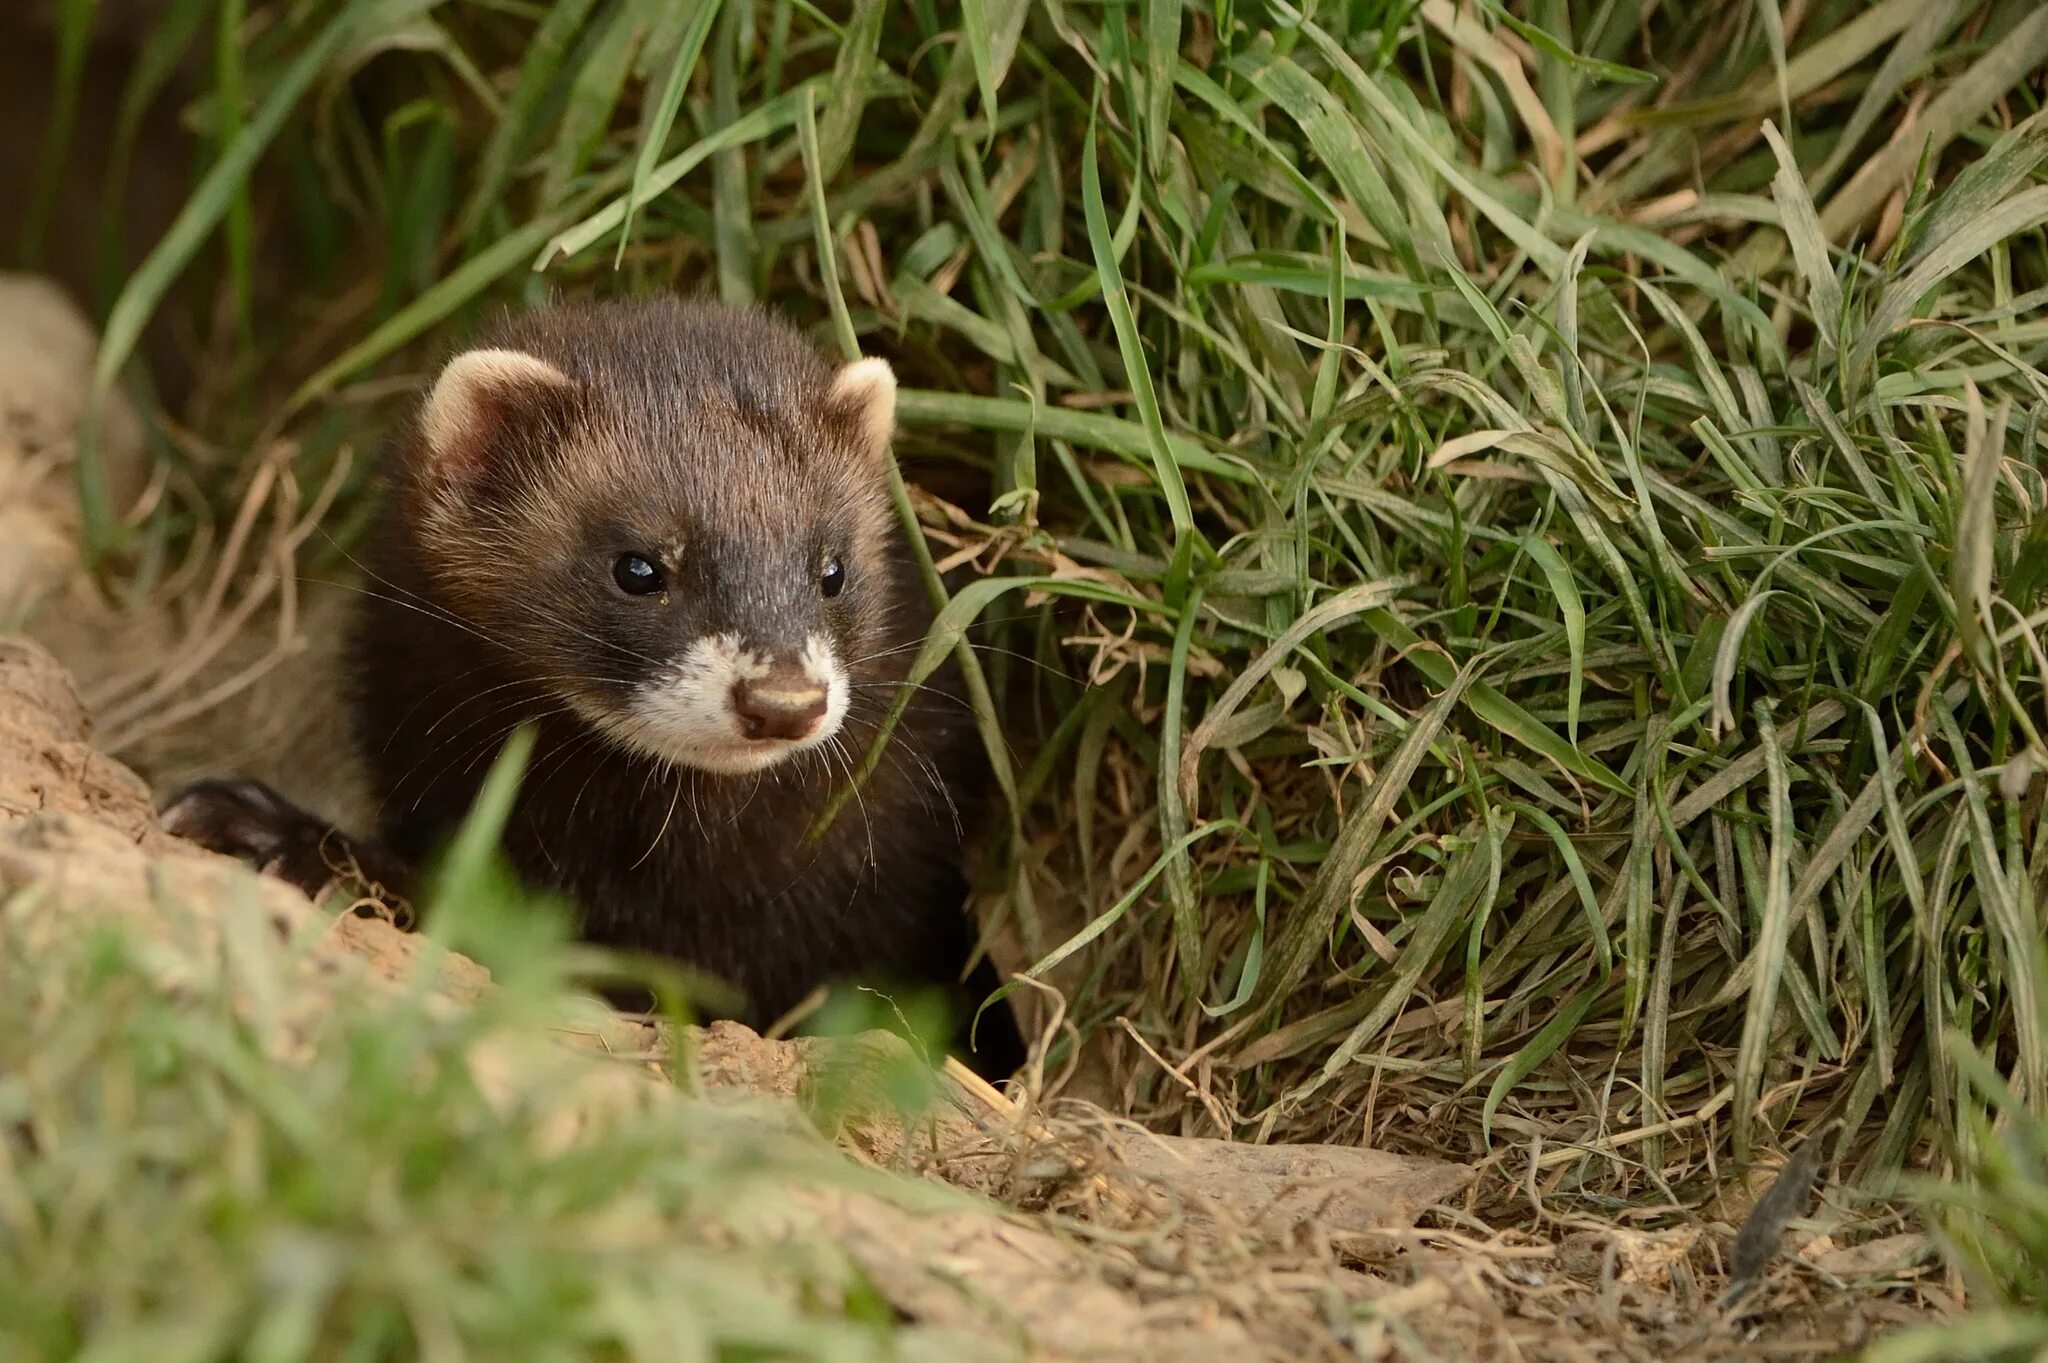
x: 660, y: 533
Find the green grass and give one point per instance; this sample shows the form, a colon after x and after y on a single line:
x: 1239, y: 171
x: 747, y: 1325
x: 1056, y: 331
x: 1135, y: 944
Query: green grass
x: 212, y: 1148
x: 1520, y: 573
x: 1994, y: 1227
x: 176, y: 1190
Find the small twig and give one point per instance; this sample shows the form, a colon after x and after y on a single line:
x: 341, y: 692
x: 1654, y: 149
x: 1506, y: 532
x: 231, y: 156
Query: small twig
x: 1004, y: 1107
x: 1207, y: 1100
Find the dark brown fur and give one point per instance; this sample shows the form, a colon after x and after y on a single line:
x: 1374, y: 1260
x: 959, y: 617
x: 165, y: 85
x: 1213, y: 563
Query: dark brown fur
x: 491, y: 606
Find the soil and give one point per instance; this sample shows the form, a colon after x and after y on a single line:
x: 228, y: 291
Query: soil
x: 1084, y: 1236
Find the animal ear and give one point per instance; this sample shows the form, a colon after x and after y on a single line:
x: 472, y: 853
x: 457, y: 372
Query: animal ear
x: 864, y: 398
x: 480, y: 398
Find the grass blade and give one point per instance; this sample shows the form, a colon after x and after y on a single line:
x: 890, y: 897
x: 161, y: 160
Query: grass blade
x: 827, y: 248
x: 209, y: 203
x: 1173, y: 819
x: 2011, y: 61
x: 1137, y: 372
x: 1162, y: 59
x: 769, y: 118
x: 544, y: 57
x: 851, y: 86
x: 1541, y: 1047
x: 2022, y: 212
x: 430, y: 309
x: 1330, y: 893
x: 1809, y: 246
x: 74, y: 45
x: 681, y: 67
x: 1573, y: 607
x: 1773, y: 930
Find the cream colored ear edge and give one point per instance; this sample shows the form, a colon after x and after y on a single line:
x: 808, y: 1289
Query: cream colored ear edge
x: 465, y: 385
x: 868, y: 386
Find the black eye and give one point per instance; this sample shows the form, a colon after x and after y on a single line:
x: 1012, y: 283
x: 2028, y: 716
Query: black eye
x: 833, y: 580
x: 637, y: 576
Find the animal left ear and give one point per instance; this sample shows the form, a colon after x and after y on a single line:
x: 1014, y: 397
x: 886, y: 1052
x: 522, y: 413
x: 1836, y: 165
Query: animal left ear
x: 482, y: 403
x: 864, y: 398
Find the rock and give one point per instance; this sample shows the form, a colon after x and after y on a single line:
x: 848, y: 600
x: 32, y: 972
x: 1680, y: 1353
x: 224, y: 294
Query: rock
x: 47, y: 350
x: 1276, y: 1188
x: 958, y: 1269
x: 46, y: 765
x: 1873, y: 1258
x: 1641, y: 1258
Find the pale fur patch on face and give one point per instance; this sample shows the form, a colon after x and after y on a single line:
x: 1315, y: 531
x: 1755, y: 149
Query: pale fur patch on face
x: 685, y: 715
x: 822, y: 668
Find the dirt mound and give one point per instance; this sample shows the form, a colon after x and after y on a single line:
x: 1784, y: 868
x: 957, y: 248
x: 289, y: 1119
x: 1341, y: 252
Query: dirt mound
x: 79, y: 844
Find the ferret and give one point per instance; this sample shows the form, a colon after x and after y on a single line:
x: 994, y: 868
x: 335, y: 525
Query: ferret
x: 660, y: 533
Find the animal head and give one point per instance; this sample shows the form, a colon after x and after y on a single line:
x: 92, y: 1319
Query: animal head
x: 673, y: 517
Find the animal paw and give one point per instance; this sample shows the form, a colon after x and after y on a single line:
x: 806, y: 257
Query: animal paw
x: 251, y: 822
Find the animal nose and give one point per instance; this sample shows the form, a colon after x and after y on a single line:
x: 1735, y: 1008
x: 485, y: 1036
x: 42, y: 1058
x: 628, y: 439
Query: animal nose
x: 777, y: 708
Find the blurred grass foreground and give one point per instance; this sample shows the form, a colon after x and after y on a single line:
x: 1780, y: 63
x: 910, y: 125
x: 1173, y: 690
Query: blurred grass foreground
x: 1510, y: 532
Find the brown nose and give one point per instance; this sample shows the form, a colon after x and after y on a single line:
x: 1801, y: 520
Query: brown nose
x: 777, y: 708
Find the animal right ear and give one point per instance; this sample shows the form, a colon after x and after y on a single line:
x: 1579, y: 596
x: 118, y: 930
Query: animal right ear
x: 863, y: 398
x: 479, y: 398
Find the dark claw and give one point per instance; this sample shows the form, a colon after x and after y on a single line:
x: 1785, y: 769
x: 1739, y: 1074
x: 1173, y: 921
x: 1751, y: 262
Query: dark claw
x: 242, y: 819
x: 251, y: 822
